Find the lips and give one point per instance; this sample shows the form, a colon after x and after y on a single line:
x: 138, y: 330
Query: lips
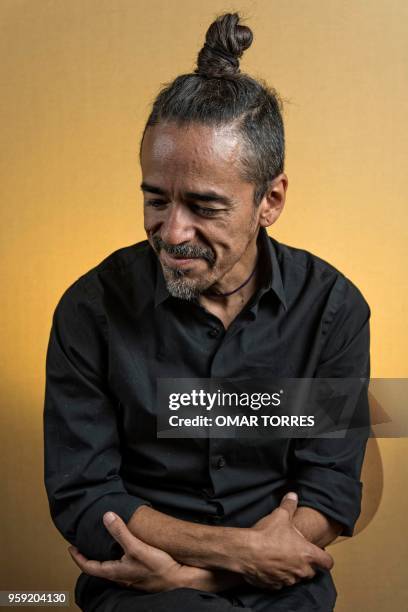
x: 171, y: 260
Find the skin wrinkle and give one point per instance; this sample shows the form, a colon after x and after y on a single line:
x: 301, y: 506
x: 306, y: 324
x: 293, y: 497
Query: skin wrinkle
x: 177, y: 160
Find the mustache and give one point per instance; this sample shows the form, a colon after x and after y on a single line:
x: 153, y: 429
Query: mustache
x: 184, y: 250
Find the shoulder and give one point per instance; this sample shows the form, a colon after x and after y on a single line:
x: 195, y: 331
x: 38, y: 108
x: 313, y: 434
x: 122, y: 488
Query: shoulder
x: 303, y: 271
x: 125, y: 267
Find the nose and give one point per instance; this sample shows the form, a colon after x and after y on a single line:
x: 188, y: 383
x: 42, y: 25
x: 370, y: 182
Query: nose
x: 177, y: 226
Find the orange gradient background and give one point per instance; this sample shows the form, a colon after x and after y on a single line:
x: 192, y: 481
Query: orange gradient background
x: 77, y: 81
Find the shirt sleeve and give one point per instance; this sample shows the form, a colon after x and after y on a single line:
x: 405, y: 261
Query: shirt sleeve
x: 327, y: 470
x: 81, y: 442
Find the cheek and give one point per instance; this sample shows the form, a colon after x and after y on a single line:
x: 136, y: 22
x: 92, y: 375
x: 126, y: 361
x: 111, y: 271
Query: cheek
x: 151, y: 219
x: 230, y: 243
x: 225, y: 253
x: 226, y: 235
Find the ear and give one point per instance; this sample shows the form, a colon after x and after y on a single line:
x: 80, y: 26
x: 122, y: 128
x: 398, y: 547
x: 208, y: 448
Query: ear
x: 273, y: 201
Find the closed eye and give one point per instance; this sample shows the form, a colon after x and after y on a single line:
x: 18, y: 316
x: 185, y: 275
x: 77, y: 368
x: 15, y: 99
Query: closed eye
x: 200, y: 210
x: 155, y: 203
x: 205, y: 212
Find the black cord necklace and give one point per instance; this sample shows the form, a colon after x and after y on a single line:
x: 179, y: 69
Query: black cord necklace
x: 222, y: 295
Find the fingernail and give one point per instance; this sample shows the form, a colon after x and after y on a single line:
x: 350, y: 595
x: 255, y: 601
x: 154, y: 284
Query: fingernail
x: 291, y: 495
x: 108, y: 518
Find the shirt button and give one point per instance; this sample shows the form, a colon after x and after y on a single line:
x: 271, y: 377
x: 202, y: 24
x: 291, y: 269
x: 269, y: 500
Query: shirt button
x: 220, y: 463
x: 207, y: 492
x: 214, y: 332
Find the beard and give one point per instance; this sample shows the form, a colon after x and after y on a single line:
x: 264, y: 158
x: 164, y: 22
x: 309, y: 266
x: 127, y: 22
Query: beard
x: 178, y: 283
x: 180, y: 286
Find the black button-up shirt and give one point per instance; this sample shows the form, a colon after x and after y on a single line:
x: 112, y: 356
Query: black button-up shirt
x: 116, y: 330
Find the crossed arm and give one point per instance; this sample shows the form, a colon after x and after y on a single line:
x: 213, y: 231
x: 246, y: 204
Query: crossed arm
x: 163, y: 553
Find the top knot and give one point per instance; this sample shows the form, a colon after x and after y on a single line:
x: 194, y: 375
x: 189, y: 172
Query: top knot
x: 225, y: 43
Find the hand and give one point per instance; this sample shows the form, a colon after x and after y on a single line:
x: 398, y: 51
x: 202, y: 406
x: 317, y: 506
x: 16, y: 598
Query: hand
x: 142, y: 566
x: 279, y: 555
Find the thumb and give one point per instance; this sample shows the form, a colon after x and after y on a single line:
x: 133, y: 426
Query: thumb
x: 130, y: 543
x: 119, y: 530
x: 289, y: 503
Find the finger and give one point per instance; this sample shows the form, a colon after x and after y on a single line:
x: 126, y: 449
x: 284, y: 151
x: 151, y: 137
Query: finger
x: 119, y: 530
x: 309, y: 574
x: 289, y: 503
x: 322, y: 558
x: 129, y: 542
x: 305, y: 572
x: 104, y: 569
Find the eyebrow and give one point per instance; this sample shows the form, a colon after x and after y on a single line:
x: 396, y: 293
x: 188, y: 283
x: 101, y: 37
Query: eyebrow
x: 203, y: 196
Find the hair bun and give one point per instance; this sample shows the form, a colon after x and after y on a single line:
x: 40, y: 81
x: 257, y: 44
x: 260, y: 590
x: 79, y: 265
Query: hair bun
x: 225, y: 43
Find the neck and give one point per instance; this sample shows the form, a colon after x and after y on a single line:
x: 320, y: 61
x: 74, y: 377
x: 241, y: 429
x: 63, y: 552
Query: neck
x: 219, y: 294
x: 227, y: 298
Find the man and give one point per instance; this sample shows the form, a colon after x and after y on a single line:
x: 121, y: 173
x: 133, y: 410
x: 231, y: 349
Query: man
x: 202, y: 524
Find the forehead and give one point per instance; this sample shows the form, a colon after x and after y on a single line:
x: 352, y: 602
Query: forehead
x: 192, y: 151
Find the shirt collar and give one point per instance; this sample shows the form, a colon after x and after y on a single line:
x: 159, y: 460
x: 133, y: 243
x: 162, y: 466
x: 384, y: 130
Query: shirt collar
x: 161, y: 292
x: 270, y: 269
x: 271, y: 272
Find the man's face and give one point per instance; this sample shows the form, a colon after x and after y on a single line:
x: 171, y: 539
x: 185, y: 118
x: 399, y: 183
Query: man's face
x: 199, y: 214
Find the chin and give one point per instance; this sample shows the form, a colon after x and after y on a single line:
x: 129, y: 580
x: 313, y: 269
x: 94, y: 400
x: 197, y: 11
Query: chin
x: 180, y: 289
x: 182, y: 286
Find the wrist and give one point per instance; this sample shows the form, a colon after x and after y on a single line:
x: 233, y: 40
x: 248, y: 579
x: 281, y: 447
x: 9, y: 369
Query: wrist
x: 241, y: 550
x: 247, y: 559
x: 207, y: 580
x: 193, y: 578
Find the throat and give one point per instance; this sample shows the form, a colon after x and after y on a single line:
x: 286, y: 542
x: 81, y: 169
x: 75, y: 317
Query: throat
x: 220, y: 295
x: 228, y: 306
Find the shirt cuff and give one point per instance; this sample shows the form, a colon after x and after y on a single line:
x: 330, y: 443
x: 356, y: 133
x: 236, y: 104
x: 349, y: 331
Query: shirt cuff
x: 92, y: 538
x: 332, y: 493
